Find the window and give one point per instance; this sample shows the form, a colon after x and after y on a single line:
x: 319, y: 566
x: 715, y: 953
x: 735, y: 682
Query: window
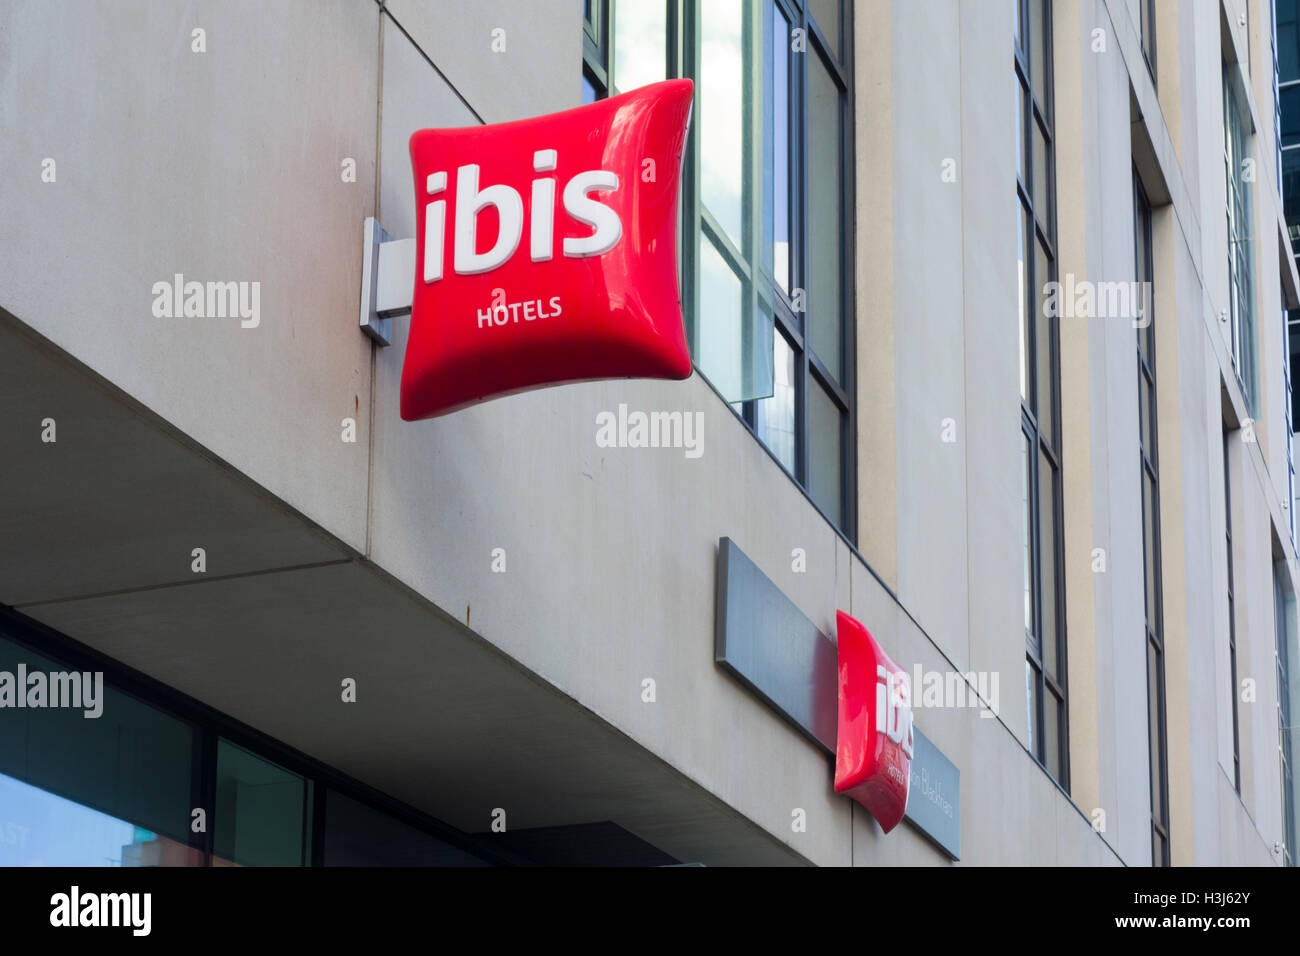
x: 115, y: 790
x: 118, y: 790
x: 1237, y: 160
x: 1232, y: 611
x: 1277, y: 98
x: 1283, y: 612
x: 1039, y: 396
x: 1287, y: 109
x: 766, y: 211
x: 595, y: 51
x: 1288, y: 420
x: 1147, y: 29
x: 1147, y: 440
x: 263, y: 812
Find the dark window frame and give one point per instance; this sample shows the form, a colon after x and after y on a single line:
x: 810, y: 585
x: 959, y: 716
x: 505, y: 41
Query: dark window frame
x: 210, y: 725
x: 1285, y: 754
x: 1232, y: 611
x: 1046, y: 444
x: 1157, y: 731
x: 597, y: 47
x: 1147, y: 34
x: 682, y: 59
x: 1241, y: 225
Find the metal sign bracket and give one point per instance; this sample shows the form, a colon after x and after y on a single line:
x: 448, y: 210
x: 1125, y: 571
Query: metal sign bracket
x: 387, y: 280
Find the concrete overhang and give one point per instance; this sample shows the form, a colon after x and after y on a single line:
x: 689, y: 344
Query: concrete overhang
x: 97, y: 532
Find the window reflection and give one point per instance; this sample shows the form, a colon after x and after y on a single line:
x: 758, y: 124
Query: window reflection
x: 779, y: 93
x: 721, y: 343
x: 640, y: 39
x: 722, y: 114
x: 261, y: 816
x: 38, y: 828
x: 776, y: 414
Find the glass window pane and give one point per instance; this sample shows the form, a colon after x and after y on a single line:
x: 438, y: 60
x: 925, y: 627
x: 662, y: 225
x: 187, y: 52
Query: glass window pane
x: 775, y: 415
x: 1153, y: 717
x: 827, y: 15
x: 1047, y: 551
x: 1291, y: 193
x: 1290, y: 97
x: 1142, y: 307
x: 130, y: 767
x: 735, y: 348
x: 824, y: 214
x: 1146, y: 395
x: 1037, y: 55
x: 779, y: 98
x: 1148, y: 29
x: 1143, y: 310
x: 1041, y: 174
x: 1288, y: 41
x: 260, y: 818
x: 721, y: 99
x: 1044, y: 347
x: 1024, y: 309
x: 1240, y: 241
x: 1026, y: 525
x: 824, y: 454
x: 43, y: 829
x: 721, y: 305
x: 640, y: 43
x: 1149, y: 542
x: 1031, y: 707
x: 1022, y: 129
x: 588, y: 91
x: 1052, y: 734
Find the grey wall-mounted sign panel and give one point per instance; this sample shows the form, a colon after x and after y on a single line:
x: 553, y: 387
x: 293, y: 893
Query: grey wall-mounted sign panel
x: 767, y: 643
x: 763, y: 640
x: 934, y: 795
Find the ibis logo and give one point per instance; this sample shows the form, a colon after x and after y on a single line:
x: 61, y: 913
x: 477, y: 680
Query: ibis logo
x: 546, y: 252
x: 875, y: 737
x: 894, y: 708
x: 472, y: 201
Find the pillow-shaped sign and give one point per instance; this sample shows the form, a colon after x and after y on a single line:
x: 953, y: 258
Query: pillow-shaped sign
x: 546, y: 252
x: 873, y: 748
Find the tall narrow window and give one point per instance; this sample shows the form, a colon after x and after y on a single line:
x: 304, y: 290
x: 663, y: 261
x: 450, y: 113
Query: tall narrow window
x: 767, y: 210
x: 1147, y: 27
x: 1277, y: 97
x: 1232, y: 611
x: 1147, y: 439
x: 1283, y: 606
x: 1287, y: 111
x: 1045, y: 680
x: 1239, y: 173
x: 1288, y: 422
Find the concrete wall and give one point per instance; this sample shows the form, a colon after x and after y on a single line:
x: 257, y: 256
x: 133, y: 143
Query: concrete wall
x: 226, y: 165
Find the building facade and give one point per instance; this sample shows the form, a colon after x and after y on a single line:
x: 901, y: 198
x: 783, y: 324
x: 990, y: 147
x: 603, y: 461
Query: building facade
x: 987, y: 304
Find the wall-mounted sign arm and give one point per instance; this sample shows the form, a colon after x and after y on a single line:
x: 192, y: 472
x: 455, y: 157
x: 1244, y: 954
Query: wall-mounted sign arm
x: 387, y: 280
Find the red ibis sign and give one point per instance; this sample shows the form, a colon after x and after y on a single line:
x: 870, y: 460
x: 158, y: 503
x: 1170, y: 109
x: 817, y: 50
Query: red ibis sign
x: 546, y: 252
x: 874, y: 741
